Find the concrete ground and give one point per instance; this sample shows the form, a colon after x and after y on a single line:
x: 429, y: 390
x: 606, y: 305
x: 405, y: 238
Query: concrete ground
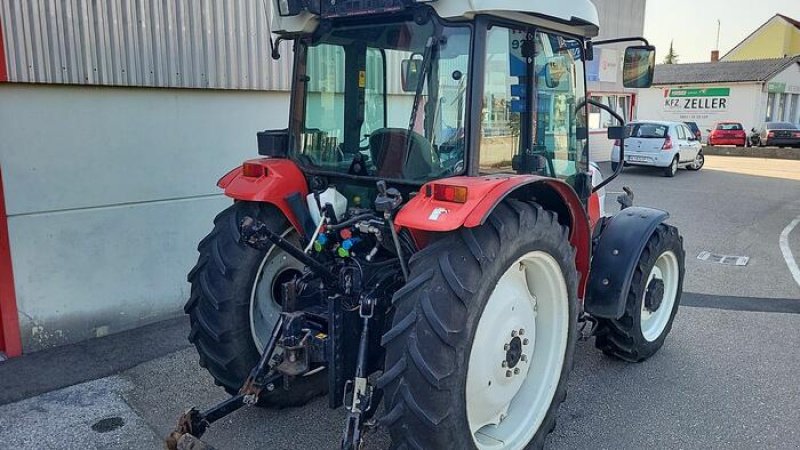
x: 726, y: 378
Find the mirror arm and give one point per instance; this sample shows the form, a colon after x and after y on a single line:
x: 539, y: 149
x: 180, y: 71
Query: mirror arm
x: 617, y: 41
x: 619, y: 118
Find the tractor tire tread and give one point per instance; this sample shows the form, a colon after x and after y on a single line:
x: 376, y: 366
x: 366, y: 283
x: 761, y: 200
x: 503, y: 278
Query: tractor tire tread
x: 427, y: 341
x: 622, y: 338
x: 218, y: 307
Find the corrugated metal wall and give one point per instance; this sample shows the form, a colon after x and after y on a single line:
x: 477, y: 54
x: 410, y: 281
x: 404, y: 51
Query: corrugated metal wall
x: 158, y: 43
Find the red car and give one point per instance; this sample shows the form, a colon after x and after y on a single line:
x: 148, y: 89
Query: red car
x: 727, y: 133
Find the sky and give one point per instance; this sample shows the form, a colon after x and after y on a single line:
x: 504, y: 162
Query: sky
x: 692, y: 24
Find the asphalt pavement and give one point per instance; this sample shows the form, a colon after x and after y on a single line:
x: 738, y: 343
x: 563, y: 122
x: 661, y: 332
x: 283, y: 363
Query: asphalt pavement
x: 726, y: 378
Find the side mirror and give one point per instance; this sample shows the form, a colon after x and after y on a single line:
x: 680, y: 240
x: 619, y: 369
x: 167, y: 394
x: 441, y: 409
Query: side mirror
x: 615, y: 133
x: 554, y: 72
x: 273, y: 143
x: 412, y: 69
x: 639, y: 66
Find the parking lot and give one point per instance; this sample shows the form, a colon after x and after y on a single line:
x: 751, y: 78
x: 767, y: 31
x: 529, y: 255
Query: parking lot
x: 726, y: 378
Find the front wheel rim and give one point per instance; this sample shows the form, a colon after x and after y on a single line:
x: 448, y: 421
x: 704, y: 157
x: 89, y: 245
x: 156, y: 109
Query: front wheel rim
x: 699, y: 160
x: 518, y: 353
x: 666, y: 269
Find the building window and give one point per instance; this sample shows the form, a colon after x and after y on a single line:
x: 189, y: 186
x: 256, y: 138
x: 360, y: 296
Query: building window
x: 600, y: 119
x: 780, y: 113
x: 770, y: 107
x: 793, y: 117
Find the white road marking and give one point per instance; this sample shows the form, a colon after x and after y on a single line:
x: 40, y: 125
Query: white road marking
x: 787, y: 252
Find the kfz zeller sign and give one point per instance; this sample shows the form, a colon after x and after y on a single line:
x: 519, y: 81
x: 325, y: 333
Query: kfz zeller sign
x: 697, y: 100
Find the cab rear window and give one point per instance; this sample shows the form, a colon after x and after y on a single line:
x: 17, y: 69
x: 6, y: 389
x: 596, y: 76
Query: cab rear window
x: 646, y: 131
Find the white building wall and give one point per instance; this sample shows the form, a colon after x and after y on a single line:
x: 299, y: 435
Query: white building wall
x: 108, y: 191
x: 746, y: 104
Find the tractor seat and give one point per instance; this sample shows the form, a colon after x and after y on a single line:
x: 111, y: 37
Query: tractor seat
x: 395, y: 158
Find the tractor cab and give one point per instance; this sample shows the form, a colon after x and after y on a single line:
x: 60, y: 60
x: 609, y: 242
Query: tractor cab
x: 410, y: 91
x: 425, y: 234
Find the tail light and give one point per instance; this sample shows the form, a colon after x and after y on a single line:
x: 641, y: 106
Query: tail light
x: 796, y: 134
x: 446, y: 193
x: 252, y: 170
x: 667, y: 144
x: 771, y: 134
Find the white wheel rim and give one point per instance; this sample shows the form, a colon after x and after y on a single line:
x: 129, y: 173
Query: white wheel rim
x: 264, y: 310
x: 531, y: 300
x: 654, y: 322
x: 698, y: 161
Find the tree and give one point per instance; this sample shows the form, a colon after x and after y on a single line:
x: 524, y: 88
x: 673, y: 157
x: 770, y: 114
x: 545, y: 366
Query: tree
x: 672, y: 57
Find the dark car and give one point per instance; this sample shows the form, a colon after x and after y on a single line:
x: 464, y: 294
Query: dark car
x: 776, y: 134
x: 727, y: 133
x: 695, y: 129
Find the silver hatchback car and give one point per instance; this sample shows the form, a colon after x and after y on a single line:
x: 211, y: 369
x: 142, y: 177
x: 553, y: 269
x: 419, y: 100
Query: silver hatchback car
x: 666, y: 145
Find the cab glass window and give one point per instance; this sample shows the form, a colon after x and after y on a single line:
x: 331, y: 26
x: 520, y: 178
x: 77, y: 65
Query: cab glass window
x: 324, y: 124
x: 365, y: 113
x: 504, y: 111
x: 559, y: 131
x: 539, y: 132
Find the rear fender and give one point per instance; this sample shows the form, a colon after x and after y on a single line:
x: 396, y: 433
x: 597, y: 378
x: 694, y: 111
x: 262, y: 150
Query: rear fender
x: 423, y: 214
x: 282, y: 178
x: 616, y: 255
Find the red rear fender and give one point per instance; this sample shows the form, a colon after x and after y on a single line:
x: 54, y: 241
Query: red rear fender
x: 424, y: 214
x: 279, y: 179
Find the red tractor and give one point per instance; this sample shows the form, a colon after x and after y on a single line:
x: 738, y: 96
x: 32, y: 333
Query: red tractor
x: 427, y: 232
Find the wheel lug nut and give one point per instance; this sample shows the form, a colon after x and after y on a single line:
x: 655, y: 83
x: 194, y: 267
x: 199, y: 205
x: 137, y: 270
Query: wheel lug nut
x: 516, y: 371
x: 508, y: 374
x: 521, y: 331
x: 507, y: 347
x: 514, y: 334
x: 524, y: 358
x: 504, y: 364
x: 525, y: 341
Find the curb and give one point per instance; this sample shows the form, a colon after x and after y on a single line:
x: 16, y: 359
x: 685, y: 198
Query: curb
x: 754, y: 152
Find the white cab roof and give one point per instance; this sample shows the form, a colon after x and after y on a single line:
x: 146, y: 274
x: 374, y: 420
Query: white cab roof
x: 577, y: 17
x: 581, y: 14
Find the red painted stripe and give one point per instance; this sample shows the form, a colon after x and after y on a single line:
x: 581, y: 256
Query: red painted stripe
x: 9, y: 320
x: 3, y: 66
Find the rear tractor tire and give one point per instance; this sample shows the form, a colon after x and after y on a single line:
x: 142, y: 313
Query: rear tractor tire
x: 234, y: 303
x: 483, y: 336
x: 652, y: 300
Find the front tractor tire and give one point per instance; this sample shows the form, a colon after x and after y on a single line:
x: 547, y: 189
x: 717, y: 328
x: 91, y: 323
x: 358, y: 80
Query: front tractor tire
x: 483, y: 335
x: 652, y: 302
x: 234, y: 303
